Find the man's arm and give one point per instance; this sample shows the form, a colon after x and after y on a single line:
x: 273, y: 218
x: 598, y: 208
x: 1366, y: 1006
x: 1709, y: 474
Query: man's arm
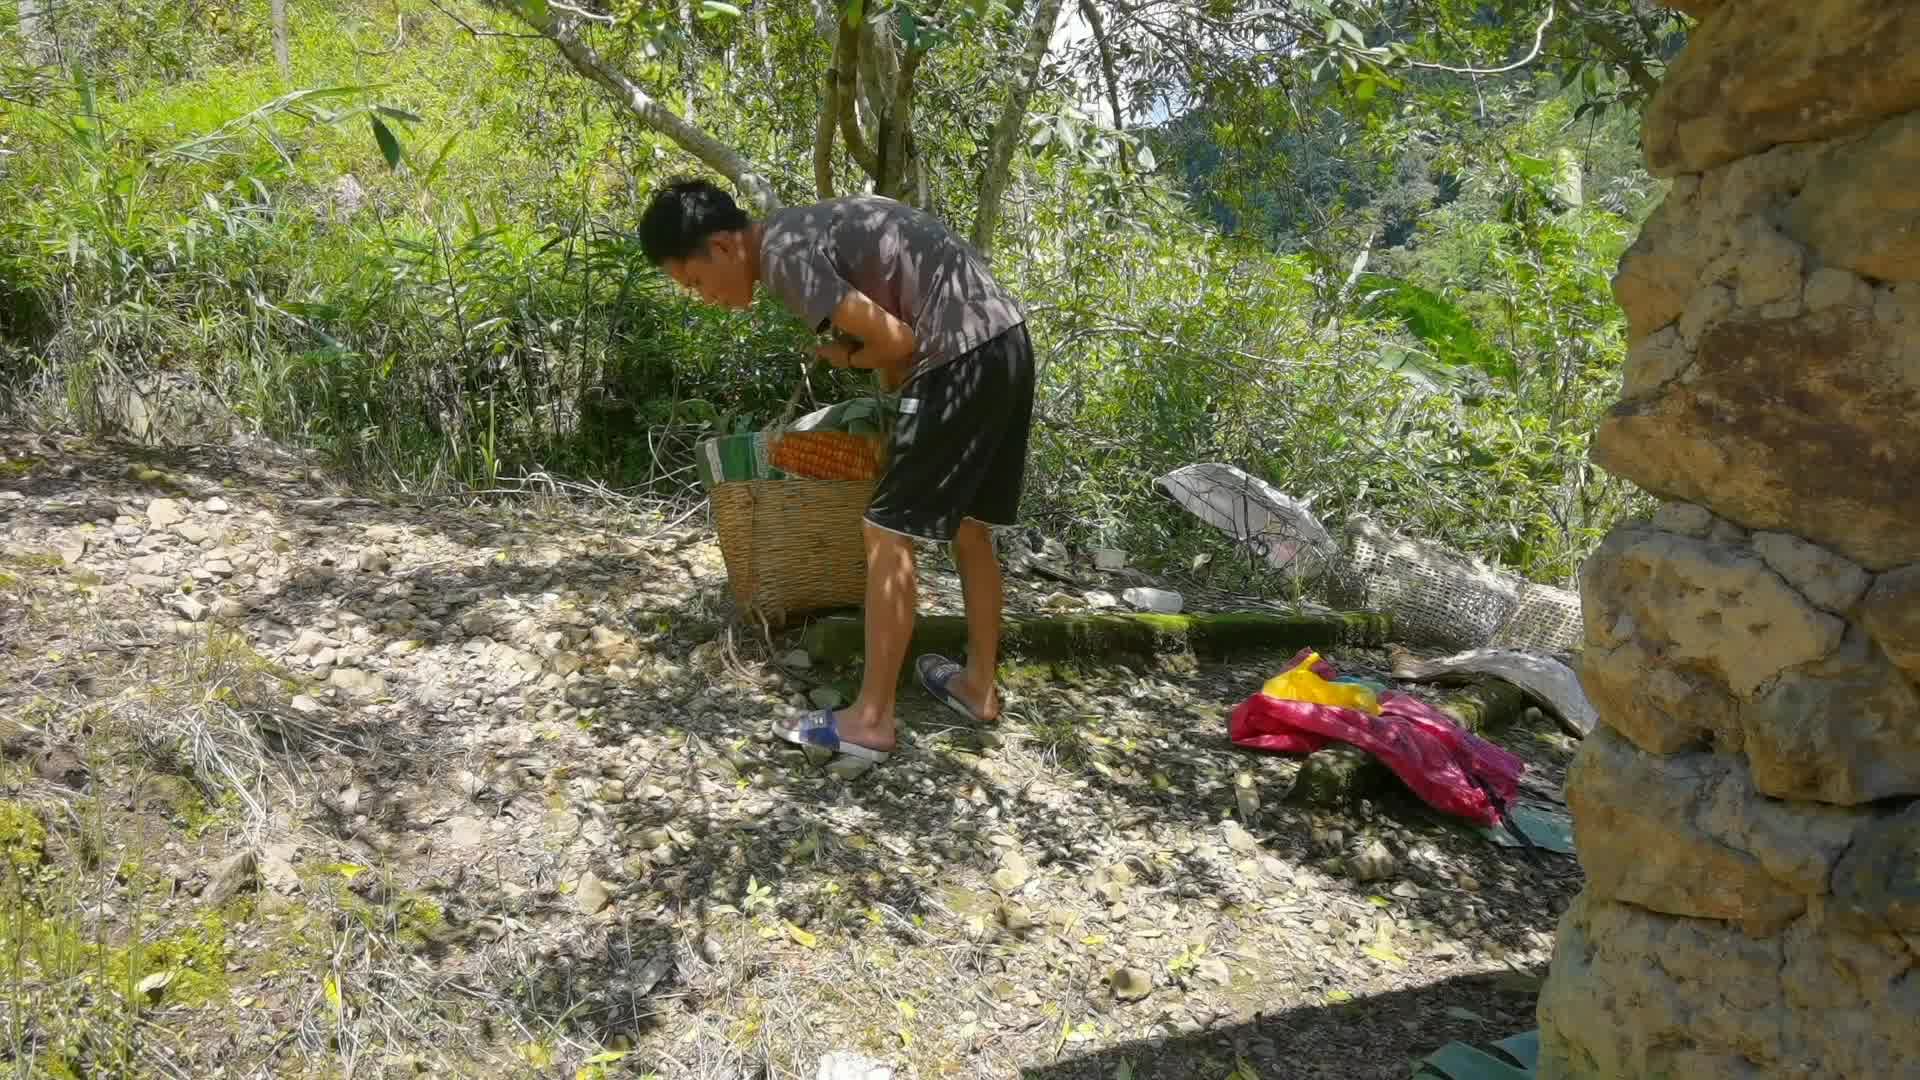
x: 881, y: 342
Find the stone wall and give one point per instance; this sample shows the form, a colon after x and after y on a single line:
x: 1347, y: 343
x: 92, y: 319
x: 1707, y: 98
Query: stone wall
x: 1747, y: 813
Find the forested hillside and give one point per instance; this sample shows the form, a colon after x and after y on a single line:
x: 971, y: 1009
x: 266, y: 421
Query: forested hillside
x: 1285, y: 237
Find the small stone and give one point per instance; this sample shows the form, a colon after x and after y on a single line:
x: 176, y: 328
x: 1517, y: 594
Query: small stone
x: 359, y: 683
x: 148, y: 564
x: 226, y: 607
x: 1015, y: 918
x: 1687, y: 519
x: 1013, y: 872
x: 1239, y: 839
x: 308, y: 643
x: 563, y: 825
x: 1374, y: 862
x: 1214, y: 970
x: 371, y: 561
x: 192, y: 533
x: 466, y: 832
x: 188, y: 607
x: 164, y: 512
x: 655, y: 838
x: 215, y: 505
x: 234, y: 873
x: 613, y: 791
x: 306, y: 706
x: 1467, y: 883
x: 847, y: 1065
x: 586, y: 695
x: 590, y: 894
x: 276, y: 868
x: 1130, y: 983
x: 72, y: 553
x: 797, y: 659
x: 824, y: 697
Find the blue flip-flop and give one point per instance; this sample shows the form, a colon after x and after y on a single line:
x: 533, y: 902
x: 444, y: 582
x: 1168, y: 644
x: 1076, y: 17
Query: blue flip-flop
x: 936, y: 672
x: 821, y: 729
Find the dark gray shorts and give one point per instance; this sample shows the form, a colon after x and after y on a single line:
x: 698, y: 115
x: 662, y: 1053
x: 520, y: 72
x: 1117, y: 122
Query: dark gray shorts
x: 959, y: 449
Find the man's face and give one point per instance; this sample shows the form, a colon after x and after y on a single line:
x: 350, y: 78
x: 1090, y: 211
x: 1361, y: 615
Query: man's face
x: 719, y: 274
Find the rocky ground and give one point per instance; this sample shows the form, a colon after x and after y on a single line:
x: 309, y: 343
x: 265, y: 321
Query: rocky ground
x: 299, y: 782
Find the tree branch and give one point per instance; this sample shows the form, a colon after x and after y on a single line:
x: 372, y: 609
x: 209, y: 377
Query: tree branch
x: 564, y: 31
x: 1091, y: 12
x: 846, y: 62
x: 993, y: 179
x: 1539, y: 39
x: 474, y: 30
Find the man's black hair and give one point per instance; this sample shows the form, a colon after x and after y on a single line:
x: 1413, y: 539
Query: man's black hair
x: 683, y: 215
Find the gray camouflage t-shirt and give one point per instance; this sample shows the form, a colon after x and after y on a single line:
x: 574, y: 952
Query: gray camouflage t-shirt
x: 902, y: 257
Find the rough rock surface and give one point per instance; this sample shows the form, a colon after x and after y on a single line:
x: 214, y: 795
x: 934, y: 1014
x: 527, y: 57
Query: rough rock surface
x: 1633, y: 993
x: 1688, y: 834
x: 1661, y: 707
x: 1829, y: 580
x: 1874, y: 886
x: 1745, y: 813
x: 1843, y: 730
x: 1756, y: 75
x: 1891, y: 613
x: 1801, y: 425
x: 1704, y: 605
x: 1861, y: 210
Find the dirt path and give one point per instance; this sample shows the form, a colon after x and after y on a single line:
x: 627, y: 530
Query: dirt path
x: 304, y: 783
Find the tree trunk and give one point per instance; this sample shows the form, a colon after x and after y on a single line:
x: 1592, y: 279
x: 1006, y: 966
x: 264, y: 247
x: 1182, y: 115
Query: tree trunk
x: 689, y: 62
x: 281, y: 54
x: 993, y: 180
x: 564, y: 32
x: 896, y: 164
x: 823, y: 134
x: 36, y: 31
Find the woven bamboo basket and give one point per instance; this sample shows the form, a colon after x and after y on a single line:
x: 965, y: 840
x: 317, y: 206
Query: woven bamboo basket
x: 793, y: 546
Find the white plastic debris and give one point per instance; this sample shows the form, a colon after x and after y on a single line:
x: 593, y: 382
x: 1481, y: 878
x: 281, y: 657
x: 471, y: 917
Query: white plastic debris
x: 1162, y: 601
x: 845, y: 1065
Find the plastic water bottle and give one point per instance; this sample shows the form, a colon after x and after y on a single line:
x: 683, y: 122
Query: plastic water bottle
x: 1157, y: 600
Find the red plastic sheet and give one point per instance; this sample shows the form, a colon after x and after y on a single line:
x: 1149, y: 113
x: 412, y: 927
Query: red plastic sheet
x: 1449, y: 768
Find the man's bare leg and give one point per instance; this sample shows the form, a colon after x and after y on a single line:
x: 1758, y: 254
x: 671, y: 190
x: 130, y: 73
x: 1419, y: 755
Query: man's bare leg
x: 981, y: 589
x: 889, y: 616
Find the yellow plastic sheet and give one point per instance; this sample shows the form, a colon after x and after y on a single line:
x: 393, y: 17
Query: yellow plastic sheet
x: 1301, y: 684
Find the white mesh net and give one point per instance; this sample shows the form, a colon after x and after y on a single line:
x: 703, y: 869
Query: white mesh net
x: 1436, y: 596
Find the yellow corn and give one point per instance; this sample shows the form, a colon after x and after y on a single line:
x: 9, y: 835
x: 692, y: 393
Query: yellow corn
x: 828, y: 455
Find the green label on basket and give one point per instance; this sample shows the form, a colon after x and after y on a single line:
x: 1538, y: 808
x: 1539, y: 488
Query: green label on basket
x: 723, y: 459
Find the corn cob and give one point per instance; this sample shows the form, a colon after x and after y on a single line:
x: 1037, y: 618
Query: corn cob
x: 828, y: 455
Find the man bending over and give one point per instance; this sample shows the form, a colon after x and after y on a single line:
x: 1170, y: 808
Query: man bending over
x: 915, y: 303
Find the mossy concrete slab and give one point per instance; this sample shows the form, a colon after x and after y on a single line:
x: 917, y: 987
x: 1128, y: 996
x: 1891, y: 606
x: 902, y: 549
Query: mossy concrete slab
x: 1113, y: 638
